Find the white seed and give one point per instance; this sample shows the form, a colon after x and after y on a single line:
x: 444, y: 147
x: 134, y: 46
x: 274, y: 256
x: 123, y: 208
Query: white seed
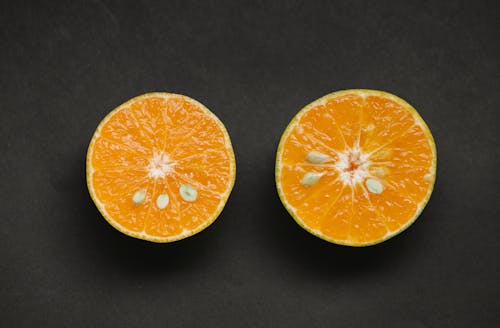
x: 162, y: 201
x: 310, y: 178
x: 428, y: 177
x: 374, y: 186
x: 188, y: 193
x: 139, y: 197
x: 316, y: 157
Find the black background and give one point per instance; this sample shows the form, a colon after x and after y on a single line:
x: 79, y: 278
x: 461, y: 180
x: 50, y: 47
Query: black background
x: 255, y: 64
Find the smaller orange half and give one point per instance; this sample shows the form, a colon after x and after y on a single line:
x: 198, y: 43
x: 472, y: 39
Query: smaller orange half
x: 160, y: 167
x: 356, y: 167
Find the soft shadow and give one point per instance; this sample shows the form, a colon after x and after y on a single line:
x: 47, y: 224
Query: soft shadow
x: 310, y: 254
x: 102, y: 245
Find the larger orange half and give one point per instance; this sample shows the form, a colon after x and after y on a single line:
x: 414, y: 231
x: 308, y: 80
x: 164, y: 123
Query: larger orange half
x: 356, y: 167
x: 160, y: 167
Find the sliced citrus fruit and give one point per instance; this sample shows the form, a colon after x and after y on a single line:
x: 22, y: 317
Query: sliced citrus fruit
x: 160, y: 167
x: 356, y: 167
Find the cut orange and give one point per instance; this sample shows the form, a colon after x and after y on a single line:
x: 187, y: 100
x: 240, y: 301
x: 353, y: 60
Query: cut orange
x: 160, y: 167
x: 356, y: 167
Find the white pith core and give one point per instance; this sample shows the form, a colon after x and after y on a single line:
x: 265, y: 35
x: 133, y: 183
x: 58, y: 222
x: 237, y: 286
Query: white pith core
x: 352, y: 166
x: 160, y: 165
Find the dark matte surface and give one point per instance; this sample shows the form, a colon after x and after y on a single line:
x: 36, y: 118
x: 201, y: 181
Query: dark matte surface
x: 63, y: 67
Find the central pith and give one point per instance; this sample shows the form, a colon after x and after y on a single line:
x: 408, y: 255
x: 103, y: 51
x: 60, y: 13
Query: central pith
x: 160, y: 165
x: 352, y: 166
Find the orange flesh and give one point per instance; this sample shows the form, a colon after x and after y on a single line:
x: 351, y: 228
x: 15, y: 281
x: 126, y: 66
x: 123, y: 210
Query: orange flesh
x: 367, y: 135
x: 158, y: 142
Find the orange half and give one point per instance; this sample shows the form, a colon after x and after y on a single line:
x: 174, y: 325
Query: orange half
x: 356, y: 167
x: 160, y: 167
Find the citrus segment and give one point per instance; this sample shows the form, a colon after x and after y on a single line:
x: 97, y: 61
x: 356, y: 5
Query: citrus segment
x: 356, y: 167
x: 160, y: 167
